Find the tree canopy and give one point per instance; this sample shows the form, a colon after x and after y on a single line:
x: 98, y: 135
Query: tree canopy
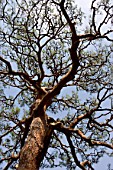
x: 56, y: 64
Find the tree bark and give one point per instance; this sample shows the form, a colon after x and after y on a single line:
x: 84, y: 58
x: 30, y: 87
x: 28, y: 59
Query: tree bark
x: 36, y: 145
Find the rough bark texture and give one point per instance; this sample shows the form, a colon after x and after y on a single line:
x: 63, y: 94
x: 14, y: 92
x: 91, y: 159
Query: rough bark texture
x: 35, y: 147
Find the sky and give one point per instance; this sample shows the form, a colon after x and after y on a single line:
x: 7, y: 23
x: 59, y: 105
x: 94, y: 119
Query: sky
x: 102, y: 165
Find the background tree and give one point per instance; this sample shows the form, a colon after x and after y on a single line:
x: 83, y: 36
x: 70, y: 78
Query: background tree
x: 55, y: 84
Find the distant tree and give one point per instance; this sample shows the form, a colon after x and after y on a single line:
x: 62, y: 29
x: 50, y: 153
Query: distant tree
x: 55, y: 84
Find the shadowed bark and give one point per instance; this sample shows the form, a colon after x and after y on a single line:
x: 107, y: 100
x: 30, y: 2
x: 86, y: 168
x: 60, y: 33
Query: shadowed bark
x: 50, y: 55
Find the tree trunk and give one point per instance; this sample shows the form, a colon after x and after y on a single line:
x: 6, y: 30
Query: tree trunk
x: 36, y: 145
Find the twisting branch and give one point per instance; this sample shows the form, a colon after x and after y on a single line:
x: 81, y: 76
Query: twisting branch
x: 21, y: 74
x: 91, y: 141
x: 74, y: 154
x: 93, y: 17
x: 81, y: 117
x: 10, y: 160
x: 19, y: 124
x: 7, y: 63
x: 75, y: 62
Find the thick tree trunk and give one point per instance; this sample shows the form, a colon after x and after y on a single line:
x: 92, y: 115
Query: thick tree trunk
x: 36, y: 145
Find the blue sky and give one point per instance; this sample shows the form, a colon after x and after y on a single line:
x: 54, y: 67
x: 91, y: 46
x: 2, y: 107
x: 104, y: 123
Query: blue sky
x: 102, y: 165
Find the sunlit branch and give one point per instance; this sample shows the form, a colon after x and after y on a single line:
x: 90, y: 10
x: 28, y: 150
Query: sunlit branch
x: 83, y: 116
x: 91, y: 141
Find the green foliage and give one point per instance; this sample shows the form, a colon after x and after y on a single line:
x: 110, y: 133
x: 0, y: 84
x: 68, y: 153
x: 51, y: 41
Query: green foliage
x: 36, y: 43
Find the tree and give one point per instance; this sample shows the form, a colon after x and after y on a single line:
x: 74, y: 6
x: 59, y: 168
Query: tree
x: 55, y: 84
